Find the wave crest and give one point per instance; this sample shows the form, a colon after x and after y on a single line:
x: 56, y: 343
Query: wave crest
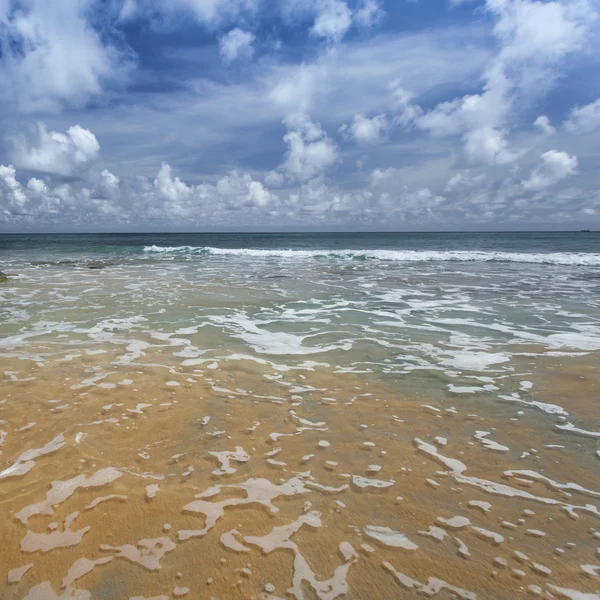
x: 549, y: 258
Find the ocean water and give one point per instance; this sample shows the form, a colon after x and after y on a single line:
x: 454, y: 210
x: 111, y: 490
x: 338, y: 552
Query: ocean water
x: 300, y: 415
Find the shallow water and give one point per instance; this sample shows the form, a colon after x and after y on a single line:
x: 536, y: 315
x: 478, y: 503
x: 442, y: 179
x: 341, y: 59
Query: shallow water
x: 307, y: 424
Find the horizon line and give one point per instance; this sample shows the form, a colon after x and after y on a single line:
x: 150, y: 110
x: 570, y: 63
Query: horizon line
x: 297, y: 232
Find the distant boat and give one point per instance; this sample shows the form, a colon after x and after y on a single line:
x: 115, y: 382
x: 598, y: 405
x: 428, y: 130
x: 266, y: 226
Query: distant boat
x: 584, y: 231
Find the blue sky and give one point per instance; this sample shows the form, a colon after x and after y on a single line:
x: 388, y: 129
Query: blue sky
x: 185, y: 115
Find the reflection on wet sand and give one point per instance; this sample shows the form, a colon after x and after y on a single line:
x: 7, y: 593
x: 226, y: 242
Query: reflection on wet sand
x: 245, y: 479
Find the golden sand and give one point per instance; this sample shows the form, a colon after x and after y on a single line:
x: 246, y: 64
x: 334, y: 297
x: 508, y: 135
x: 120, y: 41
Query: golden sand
x: 242, y: 479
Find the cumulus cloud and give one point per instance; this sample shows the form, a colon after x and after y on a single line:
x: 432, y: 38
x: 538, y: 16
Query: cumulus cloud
x: 172, y: 188
x: 173, y: 198
x: 379, y: 175
x: 364, y: 130
x: 51, y: 56
x: 488, y: 145
x: 310, y: 150
x: 555, y: 167
x: 34, y: 201
x: 406, y: 112
x: 368, y: 13
x: 237, y: 43
x: 543, y: 124
x: 13, y: 196
x: 392, y: 197
x: 53, y: 152
x: 584, y: 119
x: 294, y: 90
x: 274, y: 179
x: 333, y: 19
x: 241, y: 190
x: 533, y: 37
x: 103, y: 196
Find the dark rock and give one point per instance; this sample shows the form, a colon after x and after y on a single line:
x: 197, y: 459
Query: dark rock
x: 96, y: 264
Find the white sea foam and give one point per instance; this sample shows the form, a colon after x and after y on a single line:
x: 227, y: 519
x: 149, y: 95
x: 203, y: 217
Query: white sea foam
x: 258, y: 491
x: 82, y: 567
x: 389, y: 537
x: 44, y: 591
x: 365, y: 482
x: 489, y: 444
x: 271, y: 342
x: 279, y: 538
x: 44, y: 542
x: 26, y: 461
x: 226, y: 456
x: 147, y: 553
x: 62, y: 490
x: 431, y: 588
x: 486, y: 534
x: 456, y: 469
x: 15, y: 575
x: 570, y: 428
x: 550, y: 258
x: 573, y: 594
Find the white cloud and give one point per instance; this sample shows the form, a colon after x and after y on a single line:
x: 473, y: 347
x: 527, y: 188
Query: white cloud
x: 53, y: 152
x: 11, y: 191
x: 127, y: 10
x: 237, y: 43
x: 392, y: 197
x: 406, y: 112
x: 104, y: 197
x: 51, y: 56
x: 241, y: 190
x: 310, y: 150
x: 555, y: 167
x: 540, y: 31
x: 293, y: 90
x: 533, y: 38
x: 444, y: 119
x: 543, y: 124
x: 173, y: 199
x: 172, y: 189
x: 379, y: 175
x: 488, y: 145
x: 333, y: 19
x: 366, y: 131
x: 109, y: 179
x: 368, y: 13
x: 584, y: 119
x: 463, y: 180
x: 274, y: 179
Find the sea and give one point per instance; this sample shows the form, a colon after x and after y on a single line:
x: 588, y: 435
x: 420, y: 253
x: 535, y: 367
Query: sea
x: 300, y: 415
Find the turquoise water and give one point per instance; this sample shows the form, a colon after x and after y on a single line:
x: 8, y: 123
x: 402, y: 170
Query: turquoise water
x: 39, y: 247
x: 443, y: 308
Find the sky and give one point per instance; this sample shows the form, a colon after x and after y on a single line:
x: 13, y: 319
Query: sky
x: 276, y: 115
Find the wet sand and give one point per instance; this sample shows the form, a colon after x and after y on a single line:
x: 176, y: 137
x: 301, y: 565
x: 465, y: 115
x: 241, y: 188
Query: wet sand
x: 244, y: 479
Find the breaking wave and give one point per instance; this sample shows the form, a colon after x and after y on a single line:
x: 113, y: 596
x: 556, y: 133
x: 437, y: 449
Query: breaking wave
x: 549, y: 258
